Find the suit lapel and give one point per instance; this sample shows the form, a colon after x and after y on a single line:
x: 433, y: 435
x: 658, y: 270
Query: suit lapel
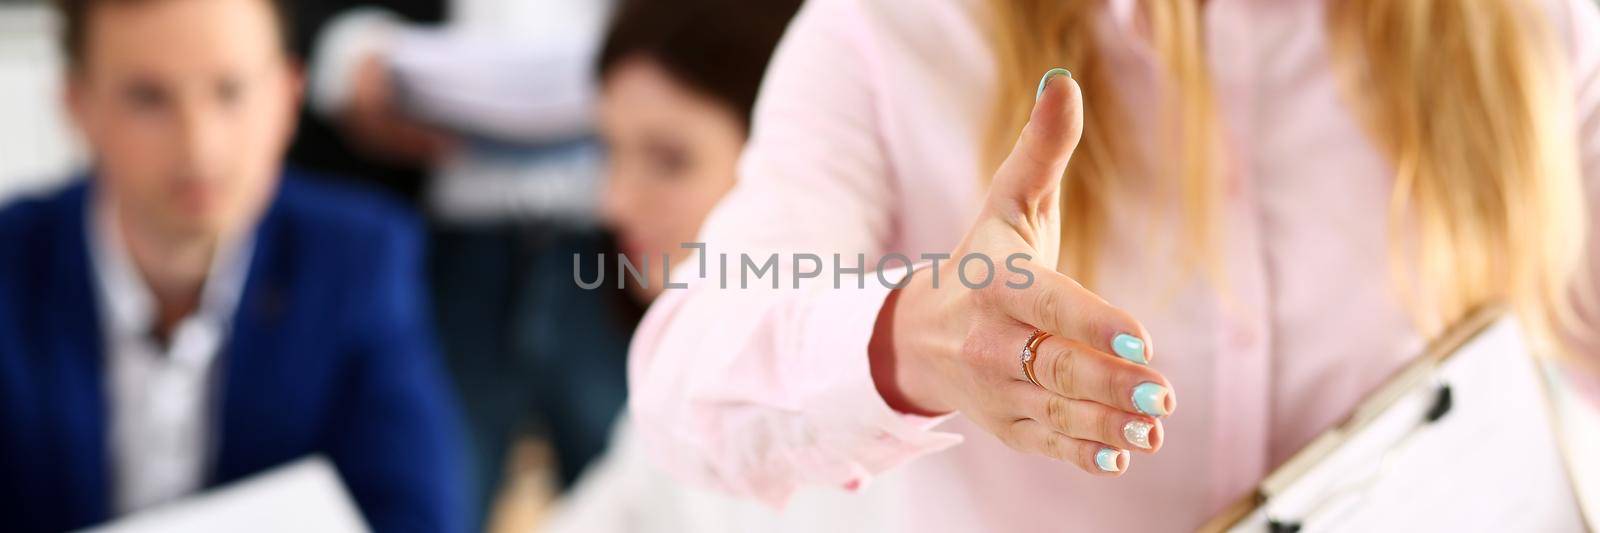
x: 247, y: 362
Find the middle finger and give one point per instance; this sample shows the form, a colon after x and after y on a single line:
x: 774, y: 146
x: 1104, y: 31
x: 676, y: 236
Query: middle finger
x: 1077, y: 371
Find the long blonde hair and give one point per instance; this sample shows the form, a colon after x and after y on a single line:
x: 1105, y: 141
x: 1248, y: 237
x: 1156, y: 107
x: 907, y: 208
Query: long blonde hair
x: 1467, y: 100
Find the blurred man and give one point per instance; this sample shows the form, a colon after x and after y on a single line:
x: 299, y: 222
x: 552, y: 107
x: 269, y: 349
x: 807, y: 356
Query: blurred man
x: 191, y: 313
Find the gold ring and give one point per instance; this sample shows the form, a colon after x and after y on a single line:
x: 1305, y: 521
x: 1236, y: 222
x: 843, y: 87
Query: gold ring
x: 1029, y: 353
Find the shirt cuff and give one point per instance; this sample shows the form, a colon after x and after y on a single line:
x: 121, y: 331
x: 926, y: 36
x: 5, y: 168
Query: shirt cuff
x: 874, y: 435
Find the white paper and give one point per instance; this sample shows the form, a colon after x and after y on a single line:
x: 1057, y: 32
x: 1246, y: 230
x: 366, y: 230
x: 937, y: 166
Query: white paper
x: 303, y: 496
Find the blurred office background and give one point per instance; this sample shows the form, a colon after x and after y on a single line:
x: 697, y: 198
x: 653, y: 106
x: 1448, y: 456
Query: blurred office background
x: 39, y: 151
x: 37, y: 148
x: 537, y: 363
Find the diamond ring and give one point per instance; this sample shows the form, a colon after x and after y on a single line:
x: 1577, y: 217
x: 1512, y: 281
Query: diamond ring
x: 1029, y: 352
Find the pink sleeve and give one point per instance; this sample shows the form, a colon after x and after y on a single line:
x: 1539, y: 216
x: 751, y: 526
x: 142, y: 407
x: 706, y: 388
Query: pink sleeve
x: 760, y: 390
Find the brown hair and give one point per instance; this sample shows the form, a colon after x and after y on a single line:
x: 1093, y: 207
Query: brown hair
x: 717, y: 47
x: 75, y: 15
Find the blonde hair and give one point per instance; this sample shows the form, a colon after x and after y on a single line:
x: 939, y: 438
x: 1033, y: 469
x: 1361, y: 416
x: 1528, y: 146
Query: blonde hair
x: 1466, y: 99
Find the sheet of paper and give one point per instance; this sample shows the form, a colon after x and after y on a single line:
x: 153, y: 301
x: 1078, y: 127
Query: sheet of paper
x: 305, y: 495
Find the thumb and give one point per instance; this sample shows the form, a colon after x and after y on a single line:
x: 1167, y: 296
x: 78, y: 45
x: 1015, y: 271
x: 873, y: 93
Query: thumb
x: 1030, y: 176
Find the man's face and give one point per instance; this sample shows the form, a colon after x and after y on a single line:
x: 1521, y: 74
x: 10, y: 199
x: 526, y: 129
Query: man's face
x: 187, y: 106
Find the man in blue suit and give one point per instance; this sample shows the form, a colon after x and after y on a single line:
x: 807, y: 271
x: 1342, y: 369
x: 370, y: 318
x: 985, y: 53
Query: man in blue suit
x: 191, y: 313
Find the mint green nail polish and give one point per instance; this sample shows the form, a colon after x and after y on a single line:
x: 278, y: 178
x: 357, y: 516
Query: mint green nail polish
x: 1150, y: 398
x: 1048, y: 75
x: 1129, y: 347
x: 1106, y: 459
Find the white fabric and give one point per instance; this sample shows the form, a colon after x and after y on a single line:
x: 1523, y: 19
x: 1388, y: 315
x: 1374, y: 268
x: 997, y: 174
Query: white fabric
x: 624, y: 492
x: 159, y: 398
x: 535, y: 89
x: 349, y: 37
x: 492, y: 184
x: 536, y: 85
x: 512, y: 79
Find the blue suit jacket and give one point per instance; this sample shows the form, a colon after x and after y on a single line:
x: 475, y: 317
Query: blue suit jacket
x: 330, y: 352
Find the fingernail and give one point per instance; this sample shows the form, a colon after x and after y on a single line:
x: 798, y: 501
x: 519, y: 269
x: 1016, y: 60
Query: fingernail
x: 1108, y: 459
x: 1151, y: 399
x: 1048, y: 75
x: 1138, y: 433
x: 1129, y: 347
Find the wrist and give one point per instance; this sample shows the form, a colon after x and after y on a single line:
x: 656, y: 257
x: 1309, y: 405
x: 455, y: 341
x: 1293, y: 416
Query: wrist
x: 896, y: 372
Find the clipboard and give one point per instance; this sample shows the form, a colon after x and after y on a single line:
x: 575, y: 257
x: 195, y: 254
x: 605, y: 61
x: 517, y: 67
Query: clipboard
x: 1462, y: 439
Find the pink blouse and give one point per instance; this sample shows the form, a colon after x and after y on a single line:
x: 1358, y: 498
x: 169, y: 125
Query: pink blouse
x: 866, y: 141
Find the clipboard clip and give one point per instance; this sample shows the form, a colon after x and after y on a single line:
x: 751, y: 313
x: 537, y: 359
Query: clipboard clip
x: 1443, y: 400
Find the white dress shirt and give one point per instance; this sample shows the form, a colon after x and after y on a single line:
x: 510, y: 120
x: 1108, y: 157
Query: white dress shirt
x: 160, y: 398
x: 514, y: 80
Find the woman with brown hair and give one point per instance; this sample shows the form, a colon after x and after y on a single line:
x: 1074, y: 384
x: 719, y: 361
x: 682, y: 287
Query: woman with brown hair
x: 1288, y: 198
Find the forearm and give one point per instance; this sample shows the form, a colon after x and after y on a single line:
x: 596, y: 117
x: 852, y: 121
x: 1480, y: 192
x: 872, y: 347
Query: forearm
x: 760, y: 392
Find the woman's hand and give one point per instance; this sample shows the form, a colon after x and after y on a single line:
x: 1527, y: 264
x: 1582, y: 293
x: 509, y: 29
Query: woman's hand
x: 940, y: 346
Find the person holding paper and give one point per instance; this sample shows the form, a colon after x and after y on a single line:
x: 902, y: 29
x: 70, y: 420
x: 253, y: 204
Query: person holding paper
x: 1261, y: 209
x: 193, y: 313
